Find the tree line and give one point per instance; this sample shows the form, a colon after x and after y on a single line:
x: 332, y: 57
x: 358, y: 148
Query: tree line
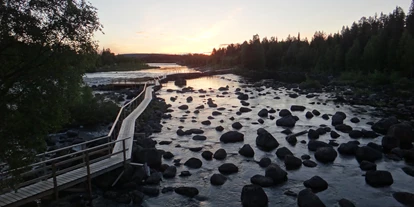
x: 377, y: 44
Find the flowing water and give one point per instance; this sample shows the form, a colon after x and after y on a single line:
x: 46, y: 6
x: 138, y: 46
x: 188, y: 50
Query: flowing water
x: 344, y: 176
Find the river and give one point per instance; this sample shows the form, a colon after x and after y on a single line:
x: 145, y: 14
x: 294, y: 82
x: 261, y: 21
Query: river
x: 344, y: 176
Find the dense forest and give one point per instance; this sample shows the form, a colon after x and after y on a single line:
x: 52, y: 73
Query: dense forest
x: 382, y: 45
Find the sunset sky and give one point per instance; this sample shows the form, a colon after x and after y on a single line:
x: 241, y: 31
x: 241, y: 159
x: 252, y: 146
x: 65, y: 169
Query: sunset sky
x: 191, y: 26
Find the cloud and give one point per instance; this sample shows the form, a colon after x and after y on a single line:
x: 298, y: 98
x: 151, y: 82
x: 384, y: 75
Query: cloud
x: 140, y: 32
x: 224, y: 45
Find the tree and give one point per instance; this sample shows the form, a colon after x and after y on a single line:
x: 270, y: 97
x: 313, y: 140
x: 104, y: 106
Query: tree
x: 45, y: 48
x: 406, y: 54
x: 371, y: 55
x: 353, y: 57
x: 410, y: 19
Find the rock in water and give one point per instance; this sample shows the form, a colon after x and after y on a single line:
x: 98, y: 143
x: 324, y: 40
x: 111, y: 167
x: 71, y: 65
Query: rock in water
x: 379, y: 178
x: 367, y: 166
x: 326, y: 154
x: 218, y: 179
x: 276, y: 173
x: 207, y: 155
x: 284, y: 112
x: 404, y: 133
x: 220, y: 154
x: 193, y: 163
x: 313, y: 134
x: 404, y: 198
x: 345, y: 203
x: 228, y: 168
x: 265, y: 141
x: 231, y: 137
x: 316, y: 183
x: 187, y: 191
x: 237, y: 125
x: 306, y: 198
x: 287, y: 121
x: 338, y: 118
x: 263, y: 113
x: 292, y: 162
x: 253, y: 196
x: 247, y: 151
x: 282, y: 152
x: 368, y: 154
x: 384, y: 124
x: 265, y: 162
x: 170, y: 172
x: 297, y: 108
x: 261, y: 180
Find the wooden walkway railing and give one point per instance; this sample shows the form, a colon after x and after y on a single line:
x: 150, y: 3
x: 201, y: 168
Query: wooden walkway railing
x: 67, y: 168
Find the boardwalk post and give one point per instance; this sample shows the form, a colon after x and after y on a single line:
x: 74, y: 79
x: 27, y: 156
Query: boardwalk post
x: 55, y: 189
x: 88, y: 171
x: 124, y: 152
x: 109, y: 145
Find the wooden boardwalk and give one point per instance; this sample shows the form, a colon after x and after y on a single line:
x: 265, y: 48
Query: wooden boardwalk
x: 121, y: 154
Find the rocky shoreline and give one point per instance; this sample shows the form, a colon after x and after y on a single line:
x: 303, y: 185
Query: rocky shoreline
x: 139, y: 183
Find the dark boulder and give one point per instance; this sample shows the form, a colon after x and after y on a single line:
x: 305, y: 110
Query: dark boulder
x: 306, y: 198
x: 185, y: 173
x: 265, y: 162
x: 297, y: 108
x: 316, y: 112
x: 367, y: 166
x: 231, y: 137
x: 247, y: 151
x: 284, y: 112
x: 168, y: 155
x: 263, y: 113
x: 170, y: 172
x: 313, y: 145
x: 220, y: 154
x: 243, y: 97
x: 343, y: 128
x: 313, y: 134
x: 261, y: 180
x: 356, y: 134
x: 237, y: 125
x: 286, y: 131
x: 325, y: 154
x: 338, y: 118
x: 334, y: 135
x: 309, y: 115
x: 287, y: 121
x: 368, y: 154
x: 228, y: 168
x: 207, y: 155
x: 244, y: 110
x: 219, y: 128
x: 404, y: 198
x: 316, y: 183
x: 348, y: 148
x: 189, y: 99
x: 292, y: 162
x: 325, y: 117
x: 218, y: 179
x: 292, y: 140
x: 384, y: 124
x: 379, y: 178
x: 277, y: 174
x: 183, y: 107
x: 355, y: 120
x: 265, y: 141
x: 309, y: 163
x: 253, y: 196
x: 150, y: 191
x: 282, y: 152
x: 409, y: 171
x: 369, y: 134
x: 404, y: 133
x: 345, y: 203
x: 199, y: 138
x: 193, y: 163
x: 207, y: 122
x: 187, y: 191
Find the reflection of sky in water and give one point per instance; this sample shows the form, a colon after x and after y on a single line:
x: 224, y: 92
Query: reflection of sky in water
x: 343, y: 176
x: 107, y: 77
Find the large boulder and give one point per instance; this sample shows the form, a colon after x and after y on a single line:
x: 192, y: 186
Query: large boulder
x: 247, y: 151
x: 367, y: 166
x: 284, y: 112
x: 220, y: 154
x: 282, y: 152
x: 404, y: 198
x: 345, y: 203
x: 388, y: 143
x: 187, y: 191
x: 343, y: 128
x: 193, y: 163
x: 326, y: 154
x: 151, y: 156
x: 244, y: 110
x: 306, y: 198
x: 356, y: 134
x: 231, y: 137
x: 170, y: 172
x: 384, y: 124
x: 228, y: 168
x: 237, y: 125
x: 265, y: 162
x: 348, y: 148
x: 338, y: 118
x: 368, y: 154
x: 297, y: 108
x: 379, y: 178
x: 183, y: 107
x: 404, y: 133
x: 261, y: 180
x: 253, y: 196
x: 218, y: 179
x: 277, y: 174
x: 313, y: 145
x: 263, y: 113
x: 313, y: 134
x: 292, y: 162
x: 286, y: 121
x: 316, y: 183
x: 207, y: 155
x: 265, y: 141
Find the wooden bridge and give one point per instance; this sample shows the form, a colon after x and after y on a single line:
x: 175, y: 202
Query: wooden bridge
x: 62, y: 168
